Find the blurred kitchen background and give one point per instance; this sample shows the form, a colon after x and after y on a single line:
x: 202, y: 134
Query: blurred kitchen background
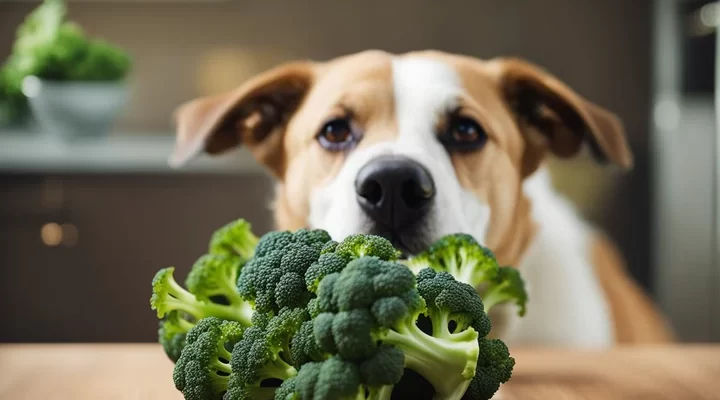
x: 85, y: 222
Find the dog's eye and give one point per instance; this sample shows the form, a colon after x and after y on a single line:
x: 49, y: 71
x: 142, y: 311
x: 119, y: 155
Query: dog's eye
x: 337, y: 135
x: 463, y: 134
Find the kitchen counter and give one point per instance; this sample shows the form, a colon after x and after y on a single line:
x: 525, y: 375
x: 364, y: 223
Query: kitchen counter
x: 141, y: 371
x: 118, y: 153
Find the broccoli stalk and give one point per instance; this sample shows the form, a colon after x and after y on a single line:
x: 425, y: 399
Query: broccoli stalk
x: 507, y: 287
x: 447, y: 362
x: 169, y: 296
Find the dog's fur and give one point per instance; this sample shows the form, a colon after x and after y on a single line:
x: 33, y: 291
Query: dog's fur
x: 580, y: 293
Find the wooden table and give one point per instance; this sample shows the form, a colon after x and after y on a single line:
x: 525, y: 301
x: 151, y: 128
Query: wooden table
x: 141, y: 371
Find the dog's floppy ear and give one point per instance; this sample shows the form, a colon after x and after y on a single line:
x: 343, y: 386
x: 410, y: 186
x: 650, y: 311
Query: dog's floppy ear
x: 546, y: 106
x: 255, y: 114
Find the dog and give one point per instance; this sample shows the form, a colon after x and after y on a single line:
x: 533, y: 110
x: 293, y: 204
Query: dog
x: 418, y: 145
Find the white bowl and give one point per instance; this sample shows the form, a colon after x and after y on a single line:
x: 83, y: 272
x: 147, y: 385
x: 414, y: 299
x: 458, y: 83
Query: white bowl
x: 75, y: 109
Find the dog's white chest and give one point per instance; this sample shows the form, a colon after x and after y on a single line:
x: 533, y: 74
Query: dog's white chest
x: 567, y: 306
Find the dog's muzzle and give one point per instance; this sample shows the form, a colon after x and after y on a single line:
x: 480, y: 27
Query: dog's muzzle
x: 396, y: 192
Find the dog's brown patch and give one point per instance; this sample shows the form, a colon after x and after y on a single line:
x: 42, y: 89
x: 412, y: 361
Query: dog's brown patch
x: 360, y: 85
x: 635, y: 318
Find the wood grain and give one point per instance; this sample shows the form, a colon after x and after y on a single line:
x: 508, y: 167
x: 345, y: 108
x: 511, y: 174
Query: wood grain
x: 141, y: 371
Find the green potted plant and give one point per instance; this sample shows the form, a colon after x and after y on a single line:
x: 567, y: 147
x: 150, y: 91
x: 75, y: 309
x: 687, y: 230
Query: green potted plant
x: 73, y: 84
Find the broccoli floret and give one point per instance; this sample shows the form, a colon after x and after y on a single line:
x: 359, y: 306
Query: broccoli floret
x: 333, y: 378
x: 215, y: 277
x: 461, y: 256
x: 451, y: 303
x: 325, y: 265
x: 212, y: 288
x: 203, y: 370
x: 275, y: 277
x: 277, y: 240
x: 234, y: 239
x: 171, y: 334
x: 494, y: 367
x: 469, y: 262
x: 508, y: 286
x: 335, y: 256
x: 304, y: 348
x: 372, y: 303
x: 361, y: 245
x: 169, y: 296
x: 264, y: 351
x: 237, y: 390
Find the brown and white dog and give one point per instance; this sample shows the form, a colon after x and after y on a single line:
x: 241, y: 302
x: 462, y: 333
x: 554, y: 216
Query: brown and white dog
x: 419, y: 145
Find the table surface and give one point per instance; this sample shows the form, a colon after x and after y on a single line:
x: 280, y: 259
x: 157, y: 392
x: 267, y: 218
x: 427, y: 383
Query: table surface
x: 141, y: 371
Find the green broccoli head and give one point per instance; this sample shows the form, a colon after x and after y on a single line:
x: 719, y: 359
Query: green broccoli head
x: 203, y: 370
x: 508, y: 286
x: 275, y: 277
x: 369, y: 294
x: 171, y: 334
x: 452, y: 306
x: 235, y: 239
x: 494, y: 367
x: 264, y: 351
x: 374, y: 304
x: 461, y: 256
x: 303, y: 347
x: 333, y: 378
x: 363, y: 245
x: 327, y: 264
x: 277, y: 240
x: 215, y: 276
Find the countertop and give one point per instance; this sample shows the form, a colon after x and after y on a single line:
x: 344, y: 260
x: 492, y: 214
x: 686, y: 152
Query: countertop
x: 141, y: 371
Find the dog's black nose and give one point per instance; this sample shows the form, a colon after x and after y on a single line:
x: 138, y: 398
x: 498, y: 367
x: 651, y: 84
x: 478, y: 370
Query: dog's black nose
x: 394, y: 190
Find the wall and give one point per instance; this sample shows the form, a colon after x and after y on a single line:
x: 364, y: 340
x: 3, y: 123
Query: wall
x: 600, y: 48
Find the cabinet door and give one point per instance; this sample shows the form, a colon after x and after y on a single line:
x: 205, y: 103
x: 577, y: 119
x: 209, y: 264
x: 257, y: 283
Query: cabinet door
x: 128, y: 227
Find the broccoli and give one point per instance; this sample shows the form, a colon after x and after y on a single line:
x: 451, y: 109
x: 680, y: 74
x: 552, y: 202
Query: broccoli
x: 372, y: 303
x: 171, y: 334
x: 298, y: 316
x: 234, y: 239
x: 264, y: 352
x: 494, y: 367
x: 303, y: 347
x: 203, y: 370
x: 359, y: 245
x: 275, y: 277
x: 334, y: 256
x: 469, y: 262
x: 507, y: 286
x: 215, y: 276
x: 211, y: 288
x: 460, y: 255
x: 169, y: 296
x: 334, y: 378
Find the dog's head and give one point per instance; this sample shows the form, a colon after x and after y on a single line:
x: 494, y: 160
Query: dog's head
x: 411, y: 147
